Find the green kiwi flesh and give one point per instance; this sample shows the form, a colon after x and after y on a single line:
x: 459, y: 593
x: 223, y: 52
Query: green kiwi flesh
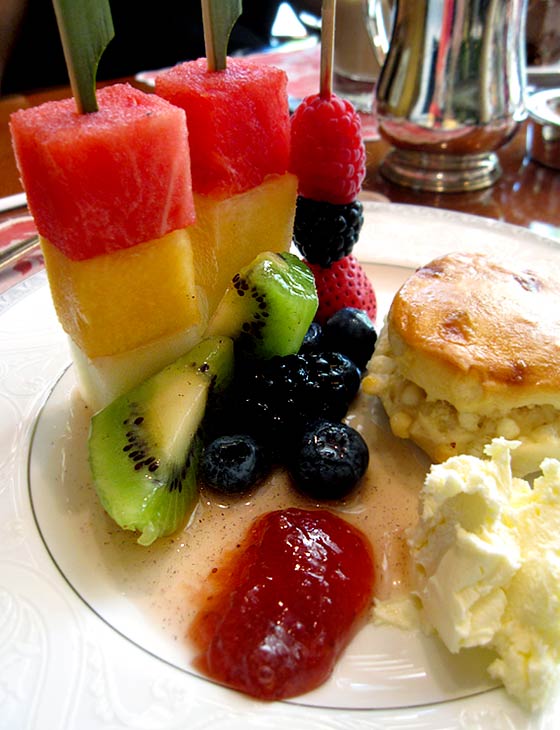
x: 144, y: 446
x: 268, y: 307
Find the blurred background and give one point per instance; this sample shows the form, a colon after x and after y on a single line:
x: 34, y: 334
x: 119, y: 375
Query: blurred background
x: 159, y: 34
x: 148, y: 35
x: 543, y: 32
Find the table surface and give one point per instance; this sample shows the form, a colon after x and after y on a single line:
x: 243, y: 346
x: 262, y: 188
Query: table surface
x: 527, y: 194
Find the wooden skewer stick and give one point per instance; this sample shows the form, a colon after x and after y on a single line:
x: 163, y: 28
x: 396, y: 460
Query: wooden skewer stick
x: 327, y: 47
x: 218, y: 18
x: 85, y: 28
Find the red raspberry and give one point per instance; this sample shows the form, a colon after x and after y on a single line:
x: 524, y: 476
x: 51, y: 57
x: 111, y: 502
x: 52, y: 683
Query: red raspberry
x: 327, y: 150
x: 343, y: 284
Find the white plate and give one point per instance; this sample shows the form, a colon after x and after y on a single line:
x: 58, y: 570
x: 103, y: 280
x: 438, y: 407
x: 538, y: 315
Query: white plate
x: 77, y: 651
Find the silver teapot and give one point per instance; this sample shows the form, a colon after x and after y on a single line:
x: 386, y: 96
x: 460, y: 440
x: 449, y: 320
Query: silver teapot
x: 451, y: 89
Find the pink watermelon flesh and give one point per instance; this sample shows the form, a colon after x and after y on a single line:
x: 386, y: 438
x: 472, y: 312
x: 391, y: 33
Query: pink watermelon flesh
x: 238, y: 122
x: 108, y: 180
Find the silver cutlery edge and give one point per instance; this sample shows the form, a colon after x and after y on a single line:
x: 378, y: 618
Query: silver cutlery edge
x: 16, y: 251
x: 13, y: 202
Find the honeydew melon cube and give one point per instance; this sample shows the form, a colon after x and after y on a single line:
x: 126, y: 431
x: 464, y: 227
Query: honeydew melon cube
x: 102, y: 379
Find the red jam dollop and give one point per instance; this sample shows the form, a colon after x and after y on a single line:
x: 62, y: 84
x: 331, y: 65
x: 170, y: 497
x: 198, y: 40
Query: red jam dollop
x: 285, y: 604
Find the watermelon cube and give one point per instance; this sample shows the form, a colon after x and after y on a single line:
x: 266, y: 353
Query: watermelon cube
x: 105, y: 181
x: 238, y: 119
x: 239, y: 137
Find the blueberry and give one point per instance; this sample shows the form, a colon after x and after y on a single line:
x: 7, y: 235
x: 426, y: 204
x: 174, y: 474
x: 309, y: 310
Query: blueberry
x: 233, y: 463
x: 351, y: 331
x: 331, y: 459
x: 312, y: 340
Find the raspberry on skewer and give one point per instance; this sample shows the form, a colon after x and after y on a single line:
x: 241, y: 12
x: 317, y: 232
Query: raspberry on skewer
x: 328, y: 156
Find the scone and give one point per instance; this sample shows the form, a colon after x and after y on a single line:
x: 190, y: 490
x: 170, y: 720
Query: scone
x: 470, y: 350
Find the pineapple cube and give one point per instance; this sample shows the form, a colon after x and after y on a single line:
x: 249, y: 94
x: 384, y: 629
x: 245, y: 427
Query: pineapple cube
x: 117, y: 302
x: 230, y: 232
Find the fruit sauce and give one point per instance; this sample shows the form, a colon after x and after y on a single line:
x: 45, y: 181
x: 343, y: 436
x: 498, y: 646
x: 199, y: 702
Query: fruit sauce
x: 282, y: 607
x: 165, y: 581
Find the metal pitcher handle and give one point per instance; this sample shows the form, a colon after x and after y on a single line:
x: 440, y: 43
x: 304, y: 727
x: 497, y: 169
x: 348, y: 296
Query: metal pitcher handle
x: 376, y: 12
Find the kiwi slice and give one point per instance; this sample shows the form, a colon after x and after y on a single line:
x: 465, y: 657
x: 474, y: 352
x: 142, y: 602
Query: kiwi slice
x: 268, y: 307
x: 145, y: 445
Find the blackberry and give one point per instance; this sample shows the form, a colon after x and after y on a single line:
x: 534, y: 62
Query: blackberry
x: 330, y: 460
x: 277, y: 397
x: 326, y: 232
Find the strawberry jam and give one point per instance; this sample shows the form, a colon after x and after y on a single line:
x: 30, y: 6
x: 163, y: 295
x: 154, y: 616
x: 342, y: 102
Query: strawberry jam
x: 284, y: 606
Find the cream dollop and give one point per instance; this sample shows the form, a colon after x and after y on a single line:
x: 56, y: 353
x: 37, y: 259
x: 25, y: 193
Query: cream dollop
x: 486, y: 566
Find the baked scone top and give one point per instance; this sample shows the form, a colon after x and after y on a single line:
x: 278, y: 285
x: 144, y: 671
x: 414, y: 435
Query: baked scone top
x: 482, y: 319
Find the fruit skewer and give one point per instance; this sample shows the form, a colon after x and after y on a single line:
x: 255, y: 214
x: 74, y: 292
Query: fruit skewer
x: 239, y: 135
x: 279, y: 405
x: 108, y: 184
x: 329, y: 159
